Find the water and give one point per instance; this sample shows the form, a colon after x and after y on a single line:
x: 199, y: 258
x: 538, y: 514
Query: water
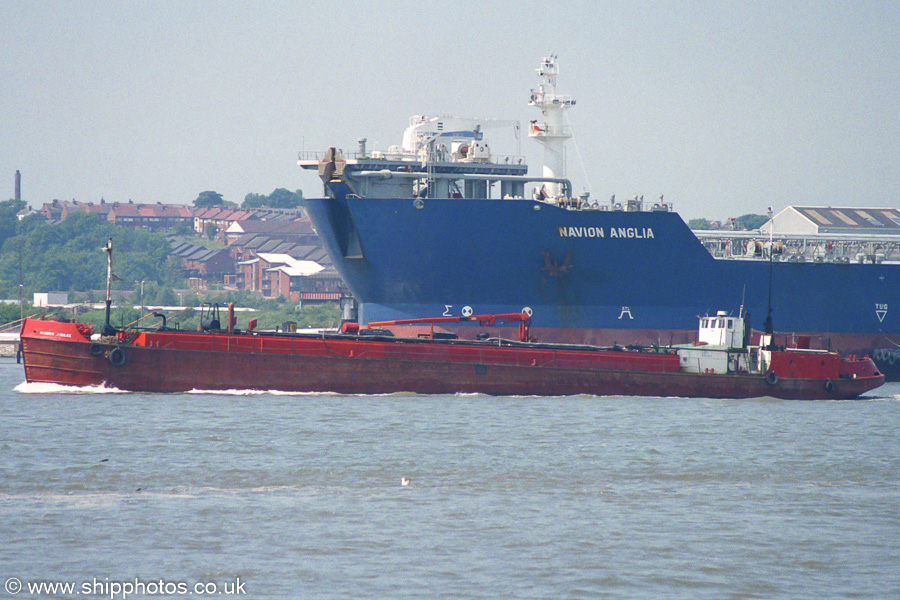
x: 299, y: 496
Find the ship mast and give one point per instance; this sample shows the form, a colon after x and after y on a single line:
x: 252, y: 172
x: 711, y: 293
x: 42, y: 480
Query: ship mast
x: 107, y: 328
x: 552, y: 132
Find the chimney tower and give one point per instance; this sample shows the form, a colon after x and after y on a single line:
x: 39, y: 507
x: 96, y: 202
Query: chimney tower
x: 18, y: 195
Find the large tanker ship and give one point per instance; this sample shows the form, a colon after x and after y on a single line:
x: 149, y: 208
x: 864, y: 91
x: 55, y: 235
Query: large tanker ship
x: 441, y: 226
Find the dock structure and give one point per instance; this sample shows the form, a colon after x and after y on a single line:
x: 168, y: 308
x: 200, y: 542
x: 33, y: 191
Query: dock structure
x: 9, y: 344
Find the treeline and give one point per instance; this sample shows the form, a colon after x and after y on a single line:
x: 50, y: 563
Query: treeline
x: 747, y: 222
x: 279, y: 198
x: 68, y: 256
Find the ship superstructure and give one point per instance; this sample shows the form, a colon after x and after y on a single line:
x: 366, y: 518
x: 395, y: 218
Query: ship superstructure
x: 553, y: 131
x: 440, y: 157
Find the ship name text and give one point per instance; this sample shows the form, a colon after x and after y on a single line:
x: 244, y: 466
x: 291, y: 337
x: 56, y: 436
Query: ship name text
x: 612, y: 232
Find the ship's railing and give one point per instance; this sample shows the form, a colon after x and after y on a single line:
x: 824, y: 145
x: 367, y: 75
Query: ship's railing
x: 499, y: 159
x: 540, y: 98
x: 15, y: 326
x: 840, y: 249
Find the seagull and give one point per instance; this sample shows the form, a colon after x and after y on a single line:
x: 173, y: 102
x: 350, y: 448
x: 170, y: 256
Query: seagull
x: 404, y: 481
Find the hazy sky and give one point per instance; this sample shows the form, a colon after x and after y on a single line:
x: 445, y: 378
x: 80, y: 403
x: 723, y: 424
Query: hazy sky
x: 724, y: 107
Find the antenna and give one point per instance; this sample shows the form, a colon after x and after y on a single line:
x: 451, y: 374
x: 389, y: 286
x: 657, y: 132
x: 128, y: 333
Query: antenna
x: 767, y: 326
x: 768, y: 323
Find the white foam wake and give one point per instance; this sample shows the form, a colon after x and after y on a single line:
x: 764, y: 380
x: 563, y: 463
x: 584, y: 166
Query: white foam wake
x: 56, y: 388
x: 236, y: 392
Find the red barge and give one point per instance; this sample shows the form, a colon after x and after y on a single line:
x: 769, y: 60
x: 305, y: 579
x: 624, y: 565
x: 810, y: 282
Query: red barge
x: 373, y: 362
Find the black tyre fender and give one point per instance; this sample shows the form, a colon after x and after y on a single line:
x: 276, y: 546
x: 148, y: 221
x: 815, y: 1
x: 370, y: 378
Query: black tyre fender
x: 96, y: 350
x: 829, y: 386
x: 116, y: 357
x: 771, y: 378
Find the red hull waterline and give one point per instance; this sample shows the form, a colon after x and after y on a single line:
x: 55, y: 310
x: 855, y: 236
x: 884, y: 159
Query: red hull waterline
x: 178, y: 361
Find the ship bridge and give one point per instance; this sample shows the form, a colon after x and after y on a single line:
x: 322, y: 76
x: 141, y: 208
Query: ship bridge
x: 440, y: 157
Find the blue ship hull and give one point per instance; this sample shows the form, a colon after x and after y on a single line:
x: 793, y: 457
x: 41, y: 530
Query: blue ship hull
x: 588, y: 276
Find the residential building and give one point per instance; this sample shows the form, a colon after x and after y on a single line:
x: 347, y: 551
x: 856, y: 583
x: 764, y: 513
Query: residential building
x: 149, y: 216
x: 203, y: 264
x: 274, y: 275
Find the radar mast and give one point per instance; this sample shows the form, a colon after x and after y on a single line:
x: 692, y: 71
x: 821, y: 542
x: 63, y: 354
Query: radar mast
x: 553, y: 130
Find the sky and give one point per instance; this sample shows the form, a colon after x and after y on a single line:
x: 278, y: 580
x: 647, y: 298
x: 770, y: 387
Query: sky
x: 726, y: 108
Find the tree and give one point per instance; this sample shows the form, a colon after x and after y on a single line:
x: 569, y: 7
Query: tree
x: 166, y: 297
x: 183, y: 229
x: 67, y: 256
x: 279, y: 198
x: 699, y: 224
x: 211, y: 230
x: 29, y: 223
x: 209, y: 198
x: 10, y: 313
x: 750, y: 222
x: 9, y: 218
x: 254, y: 201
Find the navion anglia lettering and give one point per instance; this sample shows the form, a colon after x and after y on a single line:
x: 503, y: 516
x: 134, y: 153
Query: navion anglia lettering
x: 614, y: 232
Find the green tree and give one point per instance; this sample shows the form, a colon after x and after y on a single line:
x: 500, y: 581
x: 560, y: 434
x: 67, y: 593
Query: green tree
x: 254, y: 201
x: 183, y: 229
x: 8, y: 218
x: 10, y: 313
x: 211, y: 230
x: 68, y: 256
x: 279, y: 198
x: 124, y: 315
x: 750, y: 222
x: 29, y: 223
x: 282, y: 198
x: 165, y: 296
x: 699, y: 224
x: 209, y: 198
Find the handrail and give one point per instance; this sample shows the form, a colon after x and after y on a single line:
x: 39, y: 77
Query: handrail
x: 151, y: 314
x: 6, y: 327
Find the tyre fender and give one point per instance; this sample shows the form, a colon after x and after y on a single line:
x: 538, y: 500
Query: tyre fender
x: 116, y: 357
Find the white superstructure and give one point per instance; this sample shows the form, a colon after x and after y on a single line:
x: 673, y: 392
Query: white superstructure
x: 553, y: 131
x: 447, y: 138
x: 721, y: 347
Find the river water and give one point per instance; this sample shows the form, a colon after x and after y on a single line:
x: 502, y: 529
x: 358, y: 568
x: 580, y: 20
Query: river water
x: 300, y: 496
